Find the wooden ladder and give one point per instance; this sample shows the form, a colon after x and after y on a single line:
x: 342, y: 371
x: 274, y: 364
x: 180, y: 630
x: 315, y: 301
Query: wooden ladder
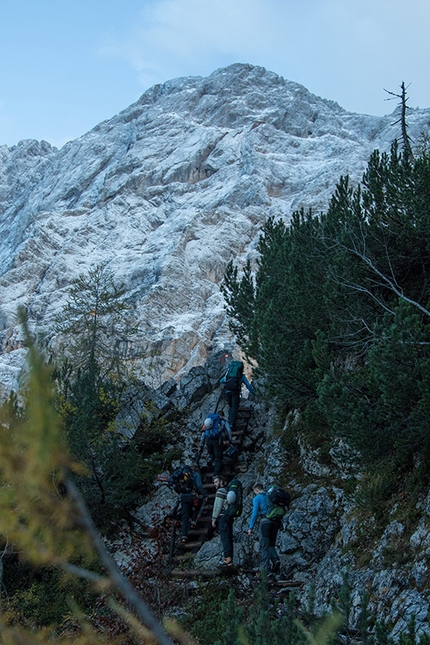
x: 182, y: 555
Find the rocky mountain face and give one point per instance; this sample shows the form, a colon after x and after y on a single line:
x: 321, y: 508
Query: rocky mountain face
x: 165, y: 194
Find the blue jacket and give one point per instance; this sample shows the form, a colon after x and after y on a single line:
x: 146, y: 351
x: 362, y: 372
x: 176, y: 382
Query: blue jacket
x: 198, y: 483
x: 259, y: 507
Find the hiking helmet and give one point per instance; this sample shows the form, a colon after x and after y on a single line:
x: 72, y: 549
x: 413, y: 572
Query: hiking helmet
x: 208, y: 423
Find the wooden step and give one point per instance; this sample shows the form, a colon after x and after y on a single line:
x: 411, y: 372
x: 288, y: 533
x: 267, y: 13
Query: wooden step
x: 241, y: 424
x: 286, y: 584
x: 190, y: 545
x: 193, y: 573
x: 194, y: 532
x: 184, y: 557
x: 207, y: 512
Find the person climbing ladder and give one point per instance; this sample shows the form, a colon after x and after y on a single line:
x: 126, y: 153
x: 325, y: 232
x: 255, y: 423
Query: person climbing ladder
x: 233, y: 380
x: 215, y: 428
x: 188, y: 484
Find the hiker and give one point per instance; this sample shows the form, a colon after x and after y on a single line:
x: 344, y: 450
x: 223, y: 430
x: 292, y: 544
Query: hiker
x: 267, y: 531
x: 214, y: 429
x: 233, y: 380
x: 220, y: 513
x: 188, y: 484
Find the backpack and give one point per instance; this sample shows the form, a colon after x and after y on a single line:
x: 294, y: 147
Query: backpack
x: 233, y: 376
x: 277, y: 500
x: 231, y: 455
x: 216, y: 429
x: 182, y: 480
x: 236, y: 487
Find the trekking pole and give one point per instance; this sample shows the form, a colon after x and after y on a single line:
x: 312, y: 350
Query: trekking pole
x: 218, y: 402
x: 251, y: 551
x: 199, y: 454
x: 199, y: 514
x: 173, y: 533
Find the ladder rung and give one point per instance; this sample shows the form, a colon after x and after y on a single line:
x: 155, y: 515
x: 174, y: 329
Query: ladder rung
x: 201, y: 531
x: 184, y: 557
x: 190, y: 545
x: 194, y: 573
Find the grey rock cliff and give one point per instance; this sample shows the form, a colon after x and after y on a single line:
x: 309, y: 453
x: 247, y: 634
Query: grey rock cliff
x: 167, y: 193
x: 326, y: 537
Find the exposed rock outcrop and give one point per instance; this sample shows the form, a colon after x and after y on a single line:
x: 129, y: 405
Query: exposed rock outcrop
x: 322, y: 542
x: 166, y: 193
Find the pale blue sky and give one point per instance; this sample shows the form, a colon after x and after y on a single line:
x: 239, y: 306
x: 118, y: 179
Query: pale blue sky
x: 66, y: 65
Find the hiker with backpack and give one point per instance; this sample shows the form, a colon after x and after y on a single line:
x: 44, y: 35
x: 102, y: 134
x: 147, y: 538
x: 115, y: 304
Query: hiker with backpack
x: 188, y: 484
x: 232, y: 381
x: 215, y: 428
x: 227, y: 506
x: 270, y: 507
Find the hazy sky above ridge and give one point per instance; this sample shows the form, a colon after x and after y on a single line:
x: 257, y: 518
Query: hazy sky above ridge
x: 66, y: 65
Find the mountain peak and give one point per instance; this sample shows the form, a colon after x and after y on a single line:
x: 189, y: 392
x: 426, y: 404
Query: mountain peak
x: 166, y: 193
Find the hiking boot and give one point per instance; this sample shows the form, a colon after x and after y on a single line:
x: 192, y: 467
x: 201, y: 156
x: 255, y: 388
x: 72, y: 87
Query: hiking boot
x: 276, y: 567
x: 227, y: 562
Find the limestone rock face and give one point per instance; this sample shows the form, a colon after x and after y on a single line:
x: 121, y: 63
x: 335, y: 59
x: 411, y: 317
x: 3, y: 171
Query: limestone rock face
x: 166, y: 193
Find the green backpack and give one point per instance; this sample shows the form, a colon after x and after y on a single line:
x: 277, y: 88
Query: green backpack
x: 277, y: 501
x: 233, y: 377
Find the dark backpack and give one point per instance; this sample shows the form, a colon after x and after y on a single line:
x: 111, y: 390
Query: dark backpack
x: 277, y: 501
x: 235, y: 509
x: 182, y: 480
x: 233, y: 377
x: 231, y: 455
x: 216, y: 429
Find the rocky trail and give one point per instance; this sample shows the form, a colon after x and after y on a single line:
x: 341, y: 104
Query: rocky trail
x: 180, y: 560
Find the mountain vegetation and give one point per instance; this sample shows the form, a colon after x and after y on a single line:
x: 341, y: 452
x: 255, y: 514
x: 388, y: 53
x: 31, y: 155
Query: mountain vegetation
x: 45, y: 517
x: 337, y: 317
x: 91, y: 375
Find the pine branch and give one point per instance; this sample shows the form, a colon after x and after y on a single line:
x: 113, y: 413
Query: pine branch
x: 117, y: 578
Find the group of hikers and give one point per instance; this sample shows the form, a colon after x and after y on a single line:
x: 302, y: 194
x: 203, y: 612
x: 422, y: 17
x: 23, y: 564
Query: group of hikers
x: 269, y: 506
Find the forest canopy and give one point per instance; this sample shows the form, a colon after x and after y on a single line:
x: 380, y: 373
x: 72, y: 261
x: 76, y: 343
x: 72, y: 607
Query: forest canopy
x: 336, y: 314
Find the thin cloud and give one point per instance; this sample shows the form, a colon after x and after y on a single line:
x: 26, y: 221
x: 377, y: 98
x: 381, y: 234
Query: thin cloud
x: 174, y: 34
x: 346, y: 51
